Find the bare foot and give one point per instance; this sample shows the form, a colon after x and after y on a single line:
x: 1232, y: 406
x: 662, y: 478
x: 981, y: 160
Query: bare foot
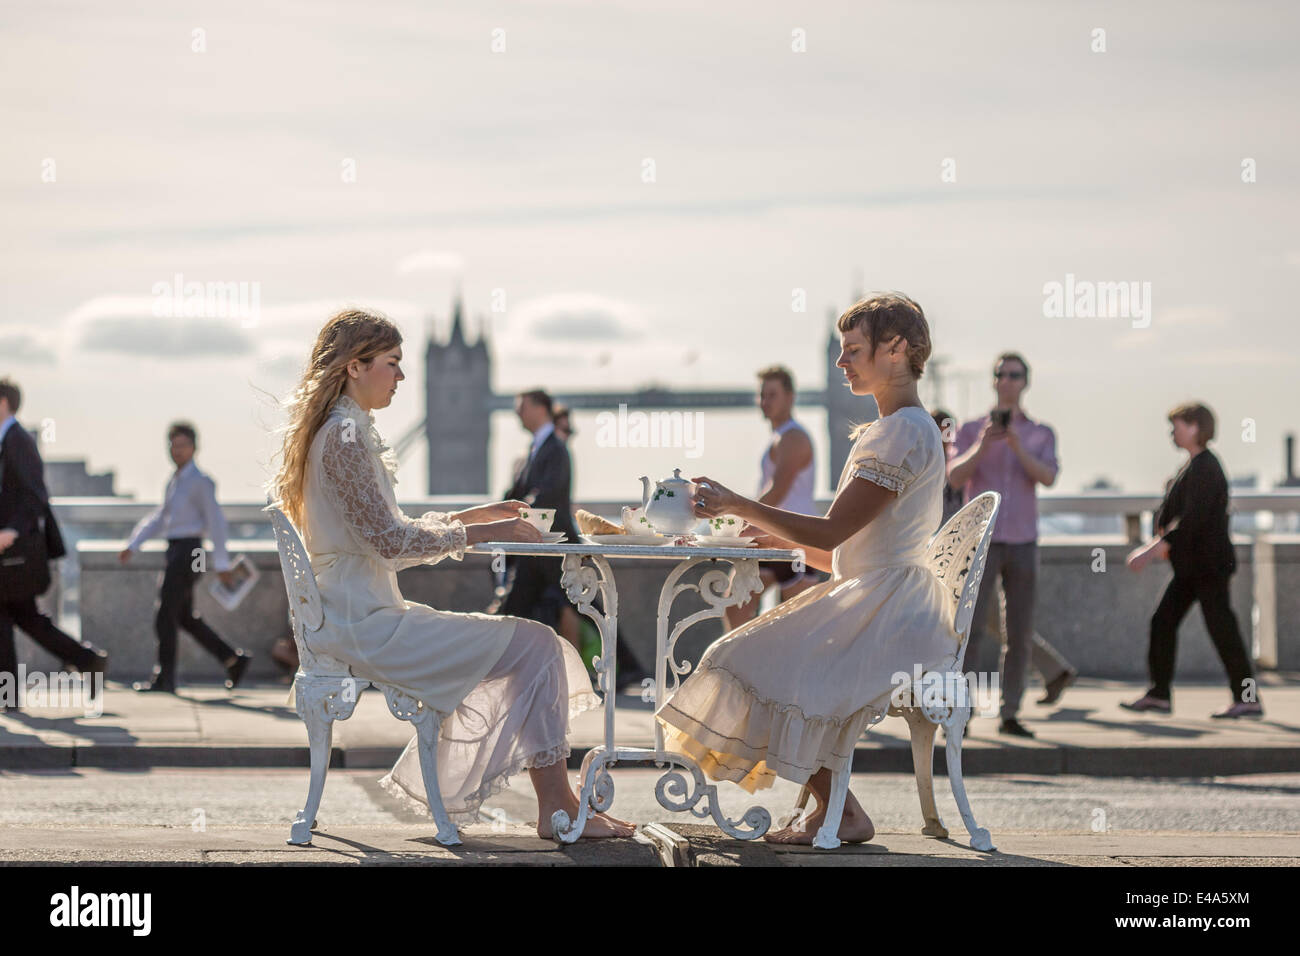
x: 577, y: 789
x: 619, y: 820
x: 598, y: 825
x: 855, y: 827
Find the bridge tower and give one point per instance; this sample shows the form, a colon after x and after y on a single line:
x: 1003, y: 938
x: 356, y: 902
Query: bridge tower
x: 458, y: 410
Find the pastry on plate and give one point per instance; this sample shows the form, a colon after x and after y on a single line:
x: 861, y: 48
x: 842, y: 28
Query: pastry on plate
x: 589, y: 523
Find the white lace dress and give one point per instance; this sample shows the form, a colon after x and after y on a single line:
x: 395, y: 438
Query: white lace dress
x: 506, y: 694
x: 792, y: 690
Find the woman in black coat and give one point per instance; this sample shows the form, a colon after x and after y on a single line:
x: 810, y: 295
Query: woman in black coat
x: 1192, y: 533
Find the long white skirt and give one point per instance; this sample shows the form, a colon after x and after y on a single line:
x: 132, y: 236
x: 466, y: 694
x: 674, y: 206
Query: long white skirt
x: 791, y: 691
x: 516, y: 718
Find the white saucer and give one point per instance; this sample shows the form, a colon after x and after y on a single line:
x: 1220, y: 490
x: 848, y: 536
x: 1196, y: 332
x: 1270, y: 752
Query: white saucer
x: 552, y: 537
x: 641, y: 539
x: 719, y: 541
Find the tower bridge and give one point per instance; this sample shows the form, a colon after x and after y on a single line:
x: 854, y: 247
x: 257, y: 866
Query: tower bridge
x: 460, y: 400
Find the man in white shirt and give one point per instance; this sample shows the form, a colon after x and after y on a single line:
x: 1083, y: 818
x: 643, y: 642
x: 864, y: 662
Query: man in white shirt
x: 189, y: 509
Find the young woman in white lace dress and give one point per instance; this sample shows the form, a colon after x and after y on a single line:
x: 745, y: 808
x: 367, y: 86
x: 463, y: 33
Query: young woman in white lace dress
x: 507, y: 687
x: 789, y: 693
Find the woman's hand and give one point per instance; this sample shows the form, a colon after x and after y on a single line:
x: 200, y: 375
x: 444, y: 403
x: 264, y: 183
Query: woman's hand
x: 497, y: 511
x: 713, y: 499
x: 766, y: 539
x: 507, y: 529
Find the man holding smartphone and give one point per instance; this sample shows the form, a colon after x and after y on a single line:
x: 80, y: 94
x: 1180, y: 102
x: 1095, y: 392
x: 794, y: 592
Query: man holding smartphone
x: 1008, y: 452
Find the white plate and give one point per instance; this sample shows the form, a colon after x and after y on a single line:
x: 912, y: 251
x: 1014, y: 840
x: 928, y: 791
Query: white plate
x: 552, y: 537
x: 642, y: 539
x: 718, y: 541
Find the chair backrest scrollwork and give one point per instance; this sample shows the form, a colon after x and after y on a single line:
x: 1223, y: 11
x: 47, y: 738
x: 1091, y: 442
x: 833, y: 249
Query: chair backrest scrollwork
x: 956, y: 555
x: 305, y: 610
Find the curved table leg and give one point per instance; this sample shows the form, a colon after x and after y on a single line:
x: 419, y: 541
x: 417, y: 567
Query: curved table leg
x: 583, y: 584
x: 719, y: 588
x: 674, y: 793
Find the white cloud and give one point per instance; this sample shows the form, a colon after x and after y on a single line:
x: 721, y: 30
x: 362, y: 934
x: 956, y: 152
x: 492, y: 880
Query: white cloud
x: 145, y: 335
x: 127, y: 324
x: 21, y: 348
x: 577, y: 317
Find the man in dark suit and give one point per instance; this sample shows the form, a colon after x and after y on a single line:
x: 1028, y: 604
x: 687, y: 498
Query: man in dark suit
x: 23, y: 504
x: 541, y: 479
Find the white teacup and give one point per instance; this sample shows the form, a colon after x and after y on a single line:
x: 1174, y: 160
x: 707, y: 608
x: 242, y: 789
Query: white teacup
x: 726, y: 526
x: 539, y: 518
x: 634, y: 521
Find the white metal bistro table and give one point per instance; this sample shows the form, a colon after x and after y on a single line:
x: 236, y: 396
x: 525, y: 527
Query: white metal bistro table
x: 586, y: 576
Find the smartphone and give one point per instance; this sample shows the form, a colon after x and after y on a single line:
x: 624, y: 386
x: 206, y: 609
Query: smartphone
x: 1000, y: 417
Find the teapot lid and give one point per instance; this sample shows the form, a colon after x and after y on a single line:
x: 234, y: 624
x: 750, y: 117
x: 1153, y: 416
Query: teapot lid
x: 676, y: 478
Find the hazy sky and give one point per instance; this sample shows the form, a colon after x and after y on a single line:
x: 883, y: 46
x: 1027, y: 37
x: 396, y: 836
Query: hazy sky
x: 524, y: 170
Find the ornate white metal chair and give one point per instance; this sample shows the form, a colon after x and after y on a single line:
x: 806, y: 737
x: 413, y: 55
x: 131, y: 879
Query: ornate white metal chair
x: 325, y: 690
x: 956, y: 555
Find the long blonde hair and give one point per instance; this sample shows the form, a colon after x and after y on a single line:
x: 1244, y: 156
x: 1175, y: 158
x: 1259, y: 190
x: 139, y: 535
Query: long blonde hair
x: 348, y: 334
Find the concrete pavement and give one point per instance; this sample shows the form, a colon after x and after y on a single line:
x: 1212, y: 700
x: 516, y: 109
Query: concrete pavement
x: 230, y: 815
x: 704, y: 846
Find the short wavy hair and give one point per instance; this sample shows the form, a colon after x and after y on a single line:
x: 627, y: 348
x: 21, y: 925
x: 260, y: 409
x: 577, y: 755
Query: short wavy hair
x: 884, y: 315
x: 780, y: 373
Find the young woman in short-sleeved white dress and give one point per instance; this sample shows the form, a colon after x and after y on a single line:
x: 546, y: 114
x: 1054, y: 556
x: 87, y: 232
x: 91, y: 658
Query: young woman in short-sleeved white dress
x: 789, y: 693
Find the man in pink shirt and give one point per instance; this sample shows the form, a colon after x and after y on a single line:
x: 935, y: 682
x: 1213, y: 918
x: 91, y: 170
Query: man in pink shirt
x: 1008, y: 452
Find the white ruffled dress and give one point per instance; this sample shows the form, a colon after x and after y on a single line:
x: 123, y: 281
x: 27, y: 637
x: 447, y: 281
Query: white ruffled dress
x: 506, y: 693
x: 792, y: 690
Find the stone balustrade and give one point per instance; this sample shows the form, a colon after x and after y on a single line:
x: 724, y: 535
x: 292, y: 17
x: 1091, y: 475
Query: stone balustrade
x: 1098, y: 618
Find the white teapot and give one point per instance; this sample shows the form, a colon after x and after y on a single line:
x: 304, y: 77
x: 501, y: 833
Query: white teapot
x: 671, y: 509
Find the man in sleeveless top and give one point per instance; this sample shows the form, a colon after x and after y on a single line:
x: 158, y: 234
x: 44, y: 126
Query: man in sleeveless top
x: 787, y: 483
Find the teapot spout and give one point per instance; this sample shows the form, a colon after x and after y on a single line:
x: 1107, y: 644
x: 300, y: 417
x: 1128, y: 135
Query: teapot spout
x: 645, y: 491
